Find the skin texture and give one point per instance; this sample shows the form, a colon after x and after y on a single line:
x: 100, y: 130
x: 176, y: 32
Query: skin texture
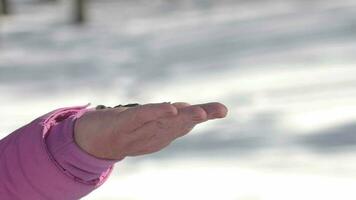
x: 116, y: 133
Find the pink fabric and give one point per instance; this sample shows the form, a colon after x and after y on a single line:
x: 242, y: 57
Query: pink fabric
x: 41, y: 161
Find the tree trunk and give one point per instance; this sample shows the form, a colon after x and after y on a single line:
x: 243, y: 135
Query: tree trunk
x: 4, y: 9
x: 79, y: 11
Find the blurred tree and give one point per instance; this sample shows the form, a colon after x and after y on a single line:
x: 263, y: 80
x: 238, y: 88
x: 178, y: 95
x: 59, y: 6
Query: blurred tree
x: 4, y: 7
x: 79, y: 11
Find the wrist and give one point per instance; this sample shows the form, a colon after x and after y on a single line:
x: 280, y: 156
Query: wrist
x: 92, y: 139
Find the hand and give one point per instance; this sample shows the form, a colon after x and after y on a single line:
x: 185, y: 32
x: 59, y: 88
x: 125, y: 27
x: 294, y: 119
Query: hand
x: 115, y: 133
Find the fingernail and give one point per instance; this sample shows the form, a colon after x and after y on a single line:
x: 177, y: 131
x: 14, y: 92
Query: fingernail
x: 218, y: 115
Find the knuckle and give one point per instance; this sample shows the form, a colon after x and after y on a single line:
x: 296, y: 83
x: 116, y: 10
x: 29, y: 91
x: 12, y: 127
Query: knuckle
x: 167, y: 108
x: 199, y: 114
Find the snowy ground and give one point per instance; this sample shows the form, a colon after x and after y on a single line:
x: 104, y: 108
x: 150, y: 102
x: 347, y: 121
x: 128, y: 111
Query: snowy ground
x: 286, y: 70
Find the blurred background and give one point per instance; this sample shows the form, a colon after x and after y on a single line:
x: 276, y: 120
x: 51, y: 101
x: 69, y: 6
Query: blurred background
x: 285, y: 68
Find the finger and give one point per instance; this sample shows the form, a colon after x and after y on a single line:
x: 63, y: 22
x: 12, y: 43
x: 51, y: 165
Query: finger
x: 158, y: 134
x: 214, y: 110
x: 132, y: 118
x: 172, y: 127
x: 192, y: 114
x: 180, y: 105
x: 187, y: 118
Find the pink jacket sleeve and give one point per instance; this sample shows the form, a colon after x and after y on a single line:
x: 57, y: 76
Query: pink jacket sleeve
x: 41, y: 161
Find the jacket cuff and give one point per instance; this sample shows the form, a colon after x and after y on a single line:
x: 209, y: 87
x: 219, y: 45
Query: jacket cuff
x: 28, y: 170
x: 69, y: 156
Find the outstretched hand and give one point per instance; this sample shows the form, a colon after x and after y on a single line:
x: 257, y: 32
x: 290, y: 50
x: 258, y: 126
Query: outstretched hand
x: 115, y: 133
